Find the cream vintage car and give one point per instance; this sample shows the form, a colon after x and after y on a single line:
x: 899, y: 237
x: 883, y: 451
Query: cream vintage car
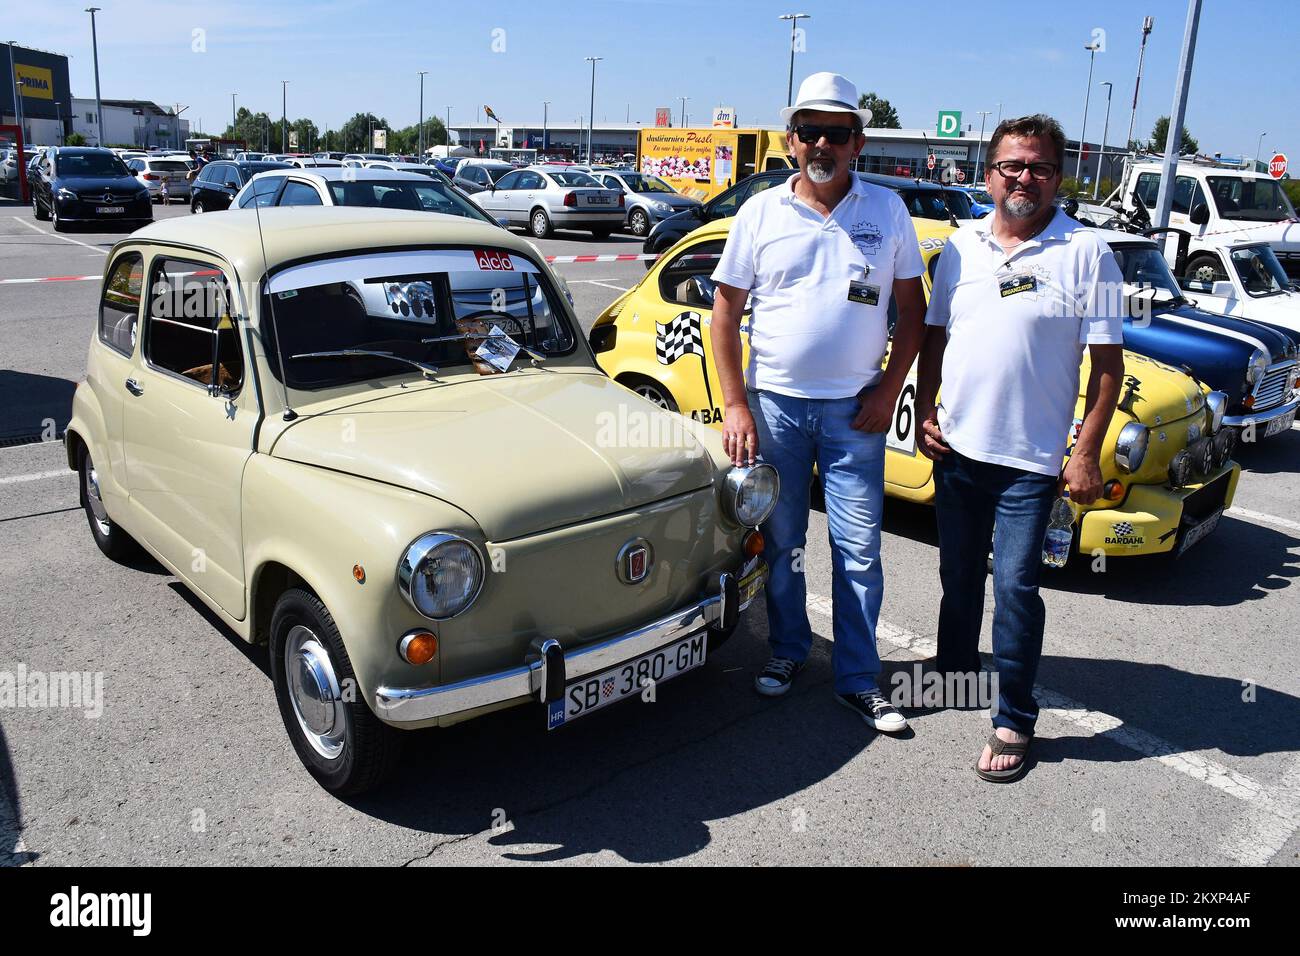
x: 378, y: 441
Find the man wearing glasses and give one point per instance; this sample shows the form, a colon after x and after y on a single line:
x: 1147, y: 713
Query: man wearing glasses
x: 819, y: 259
x: 1015, y: 300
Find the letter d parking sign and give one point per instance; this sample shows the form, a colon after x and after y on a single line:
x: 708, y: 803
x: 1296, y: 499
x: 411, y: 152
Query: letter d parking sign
x: 949, y: 123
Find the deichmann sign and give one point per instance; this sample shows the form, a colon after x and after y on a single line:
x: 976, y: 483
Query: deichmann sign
x: 949, y: 123
x: 38, y: 83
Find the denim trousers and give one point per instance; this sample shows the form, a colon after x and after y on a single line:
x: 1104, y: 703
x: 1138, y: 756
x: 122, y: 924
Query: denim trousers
x: 976, y: 501
x: 793, y: 435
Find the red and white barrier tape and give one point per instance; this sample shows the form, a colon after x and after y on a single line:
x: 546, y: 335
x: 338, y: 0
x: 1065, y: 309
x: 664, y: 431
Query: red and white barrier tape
x: 50, y: 279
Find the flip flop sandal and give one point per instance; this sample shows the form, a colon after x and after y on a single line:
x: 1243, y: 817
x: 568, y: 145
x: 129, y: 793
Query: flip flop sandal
x: 999, y: 746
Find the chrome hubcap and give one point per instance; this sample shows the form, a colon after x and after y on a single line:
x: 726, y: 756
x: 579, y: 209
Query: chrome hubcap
x: 314, y: 691
x: 638, y: 223
x: 95, y: 500
x: 539, y: 224
x: 652, y: 394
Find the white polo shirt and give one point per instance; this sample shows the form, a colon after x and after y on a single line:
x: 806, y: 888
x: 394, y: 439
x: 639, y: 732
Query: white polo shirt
x: 807, y: 338
x: 1017, y: 325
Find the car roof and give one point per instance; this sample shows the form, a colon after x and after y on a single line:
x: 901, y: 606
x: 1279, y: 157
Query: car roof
x: 306, y: 232
x: 346, y: 174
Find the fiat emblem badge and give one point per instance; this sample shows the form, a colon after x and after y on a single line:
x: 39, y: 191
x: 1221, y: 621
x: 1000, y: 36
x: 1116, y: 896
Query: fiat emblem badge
x: 635, y: 560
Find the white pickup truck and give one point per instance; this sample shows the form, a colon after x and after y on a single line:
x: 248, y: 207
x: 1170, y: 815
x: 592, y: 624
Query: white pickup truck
x: 1217, y: 204
x: 1245, y: 280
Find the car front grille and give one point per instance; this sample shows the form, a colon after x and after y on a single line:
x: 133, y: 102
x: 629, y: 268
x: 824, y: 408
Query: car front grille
x: 1273, y: 388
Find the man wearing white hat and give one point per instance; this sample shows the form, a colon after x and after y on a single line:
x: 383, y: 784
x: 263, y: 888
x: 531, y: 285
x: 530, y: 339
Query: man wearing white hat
x: 819, y: 259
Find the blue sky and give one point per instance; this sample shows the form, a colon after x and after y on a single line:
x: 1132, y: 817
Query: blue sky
x: 346, y: 56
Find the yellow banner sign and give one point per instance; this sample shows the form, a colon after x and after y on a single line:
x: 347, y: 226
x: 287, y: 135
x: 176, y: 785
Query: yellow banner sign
x: 37, y: 83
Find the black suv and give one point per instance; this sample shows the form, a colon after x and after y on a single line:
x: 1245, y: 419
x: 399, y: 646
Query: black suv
x: 80, y: 184
x: 218, y: 181
x: 924, y: 200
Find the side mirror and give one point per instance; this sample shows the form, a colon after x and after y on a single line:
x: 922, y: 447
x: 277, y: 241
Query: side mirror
x: 1223, y: 289
x: 1200, y: 214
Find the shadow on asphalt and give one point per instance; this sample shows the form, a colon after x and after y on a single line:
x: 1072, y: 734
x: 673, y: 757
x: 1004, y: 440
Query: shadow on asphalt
x: 1277, y: 454
x: 32, y: 404
x: 11, y: 816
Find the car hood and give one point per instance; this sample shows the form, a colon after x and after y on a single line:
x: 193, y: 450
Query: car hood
x: 676, y: 200
x: 1281, y: 309
x: 93, y: 184
x: 1280, y: 235
x: 520, y: 452
x: 1246, y: 334
x: 1164, y: 394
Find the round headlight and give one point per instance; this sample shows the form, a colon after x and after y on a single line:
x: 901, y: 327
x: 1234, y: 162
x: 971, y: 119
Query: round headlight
x: 749, y: 494
x: 1257, y: 367
x: 440, y: 575
x: 1217, y: 404
x: 1131, y: 446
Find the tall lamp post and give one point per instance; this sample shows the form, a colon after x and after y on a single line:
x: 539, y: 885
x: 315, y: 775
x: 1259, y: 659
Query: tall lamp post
x: 591, y: 117
x: 684, y: 99
x: 1092, y: 49
x: 1260, y: 144
x: 422, y: 74
x: 546, y: 107
x: 979, y: 147
x: 233, y: 132
x: 284, y: 116
x: 94, y: 43
x: 794, y: 19
x: 1105, y: 129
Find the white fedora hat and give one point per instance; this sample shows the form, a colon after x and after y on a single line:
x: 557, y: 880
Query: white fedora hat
x: 828, y: 92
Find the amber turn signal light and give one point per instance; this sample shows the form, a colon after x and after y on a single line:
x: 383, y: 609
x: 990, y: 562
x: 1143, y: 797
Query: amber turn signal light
x: 359, y: 573
x: 1114, y: 491
x: 418, y: 647
x: 753, y: 544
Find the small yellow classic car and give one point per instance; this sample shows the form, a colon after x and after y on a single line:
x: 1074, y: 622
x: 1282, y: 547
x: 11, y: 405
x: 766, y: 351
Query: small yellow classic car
x: 1166, y: 463
x: 377, y: 441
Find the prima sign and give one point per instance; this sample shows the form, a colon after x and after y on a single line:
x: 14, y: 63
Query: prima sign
x: 74, y: 909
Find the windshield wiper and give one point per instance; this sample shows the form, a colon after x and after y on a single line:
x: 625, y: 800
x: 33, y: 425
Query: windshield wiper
x: 429, y: 371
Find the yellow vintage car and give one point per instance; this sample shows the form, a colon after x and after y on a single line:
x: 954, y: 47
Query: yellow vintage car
x: 1168, y: 473
x: 377, y: 441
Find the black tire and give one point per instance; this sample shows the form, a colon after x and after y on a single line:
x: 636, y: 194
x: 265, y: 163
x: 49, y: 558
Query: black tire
x: 638, y: 223
x: 368, y: 749
x: 650, y: 390
x: 116, y: 544
x: 196, y: 207
x: 58, y: 224
x: 1211, y: 265
x: 539, y: 224
x: 36, y: 208
x: 602, y: 234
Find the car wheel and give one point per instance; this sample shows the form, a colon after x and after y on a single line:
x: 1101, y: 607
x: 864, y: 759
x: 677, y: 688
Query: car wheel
x: 36, y: 208
x: 337, y: 737
x: 601, y: 234
x: 639, y: 223
x: 58, y: 224
x: 650, y: 390
x: 111, y: 539
x: 196, y: 207
x: 1203, y: 269
x: 539, y: 224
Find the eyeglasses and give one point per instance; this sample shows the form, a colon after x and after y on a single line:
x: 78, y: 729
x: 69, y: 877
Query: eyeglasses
x: 1012, y: 168
x: 835, y: 135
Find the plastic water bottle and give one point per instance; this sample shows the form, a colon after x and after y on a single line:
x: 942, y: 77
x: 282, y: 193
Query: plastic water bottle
x: 1060, y: 533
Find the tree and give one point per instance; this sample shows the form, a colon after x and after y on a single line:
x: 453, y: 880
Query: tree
x: 883, y: 115
x: 408, y: 140
x: 308, y: 135
x: 255, y: 129
x: 355, y: 133
x: 75, y: 139
x: 1160, y: 135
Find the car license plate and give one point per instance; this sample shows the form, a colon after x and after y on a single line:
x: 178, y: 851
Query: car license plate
x: 108, y: 210
x: 1280, y: 424
x: 598, y: 200
x: 582, y: 697
x: 1199, y: 531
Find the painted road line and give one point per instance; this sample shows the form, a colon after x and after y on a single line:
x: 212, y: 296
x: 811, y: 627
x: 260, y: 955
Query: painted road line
x: 1275, y: 811
x: 37, y: 476
x: 606, y: 285
x: 1259, y: 517
x: 55, y: 235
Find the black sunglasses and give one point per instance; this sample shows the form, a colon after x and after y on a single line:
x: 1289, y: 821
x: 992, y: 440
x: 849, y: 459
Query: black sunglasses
x: 835, y: 135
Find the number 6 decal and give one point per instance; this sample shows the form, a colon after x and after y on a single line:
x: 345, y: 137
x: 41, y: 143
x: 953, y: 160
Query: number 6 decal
x: 902, y: 435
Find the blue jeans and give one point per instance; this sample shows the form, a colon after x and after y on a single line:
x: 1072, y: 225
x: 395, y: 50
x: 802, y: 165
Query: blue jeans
x: 973, y: 499
x: 793, y: 434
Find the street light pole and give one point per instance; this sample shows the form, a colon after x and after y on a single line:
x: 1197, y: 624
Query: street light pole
x: 546, y: 106
x: 1105, y: 129
x: 979, y: 147
x: 684, y: 99
x: 284, y: 116
x: 1147, y: 25
x: 422, y: 73
x: 1260, y: 144
x: 794, y: 19
x: 18, y: 105
x: 233, y: 132
x: 591, y: 117
x: 99, y: 104
x: 1173, y: 140
x: 1083, y: 133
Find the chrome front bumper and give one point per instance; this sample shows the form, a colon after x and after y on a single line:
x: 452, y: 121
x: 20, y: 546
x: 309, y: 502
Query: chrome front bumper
x: 544, y: 677
x: 1261, y: 418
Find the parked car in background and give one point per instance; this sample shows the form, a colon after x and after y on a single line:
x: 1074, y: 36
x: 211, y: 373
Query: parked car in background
x: 648, y: 199
x: 420, y: 169
x: 476, y: 175
x: 336, y: 156
x: 82, y: 184
x: 371, y: 560
x: 156, y: 171
x: 311, y: 162
x: 247, y: 157
x: 344, y: 186
x: 218, y: 182
x: 545, y: 198
x: 981, y: 203
x: 9, y: 161
x: 1245, y: 279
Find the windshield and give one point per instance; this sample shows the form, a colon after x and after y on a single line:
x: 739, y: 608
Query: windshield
x: 394, y: 302
x: 934, y: 203
x: 89, y: 164
x: 573, y: 179
x: 1260, y: 272
x: 980, y: 196
x: 1145, y: 267
x: 1255, y: 200
x: 640, y: 183
x: 431, y: 196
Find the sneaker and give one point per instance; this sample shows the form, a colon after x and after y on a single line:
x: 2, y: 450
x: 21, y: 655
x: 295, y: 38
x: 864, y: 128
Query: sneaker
x: 875, y: 710
x: 777, y: 676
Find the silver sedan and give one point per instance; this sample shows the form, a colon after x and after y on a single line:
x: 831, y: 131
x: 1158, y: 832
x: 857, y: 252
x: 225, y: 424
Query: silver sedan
x: 544, y: 198
x: 649, y: 199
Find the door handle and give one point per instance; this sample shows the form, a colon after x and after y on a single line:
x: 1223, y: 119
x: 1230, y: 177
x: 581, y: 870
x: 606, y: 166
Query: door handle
x: 134, y: 387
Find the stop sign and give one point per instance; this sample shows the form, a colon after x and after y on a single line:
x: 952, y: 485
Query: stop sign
x: 961, y: 176
x: 1277, y: 166
x: 929, y: 161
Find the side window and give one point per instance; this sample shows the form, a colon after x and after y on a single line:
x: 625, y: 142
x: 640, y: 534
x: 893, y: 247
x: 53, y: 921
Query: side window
x: 1183, y: 189
x: 135, y: 165
x: 299, y: 194
x: 119, y: 307
x: 262, y: 191
x: 510, y: 181
x: 1148, y: 187
x: 190, y: 325
x: 728, y: 203
x: 686, y: 280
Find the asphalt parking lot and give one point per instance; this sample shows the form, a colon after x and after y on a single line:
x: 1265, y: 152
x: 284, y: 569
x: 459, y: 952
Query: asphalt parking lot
x: 1170, y: 732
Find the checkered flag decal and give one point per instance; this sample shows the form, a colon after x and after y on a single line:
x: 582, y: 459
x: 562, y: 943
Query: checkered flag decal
x: 680, y: 336
x: 1123, y: 529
